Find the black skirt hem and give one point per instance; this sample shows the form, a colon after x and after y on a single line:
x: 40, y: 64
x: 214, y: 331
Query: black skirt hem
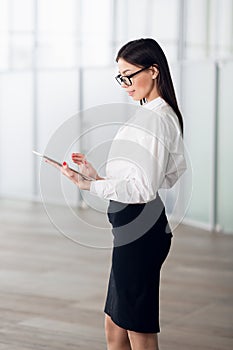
x: 127, y: 328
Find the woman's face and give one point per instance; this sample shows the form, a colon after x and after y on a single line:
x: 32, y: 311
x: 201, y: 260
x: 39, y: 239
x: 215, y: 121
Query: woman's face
x: 143, y: 84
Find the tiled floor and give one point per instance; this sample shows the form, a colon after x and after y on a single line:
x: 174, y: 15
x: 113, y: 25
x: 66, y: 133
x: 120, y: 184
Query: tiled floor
x: 52, y: 289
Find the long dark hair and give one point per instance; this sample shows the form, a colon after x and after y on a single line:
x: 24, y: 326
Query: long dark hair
x: 145, y: 53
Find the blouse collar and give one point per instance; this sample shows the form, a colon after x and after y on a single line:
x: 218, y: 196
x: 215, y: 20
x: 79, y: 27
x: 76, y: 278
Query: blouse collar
x: 154, y: 104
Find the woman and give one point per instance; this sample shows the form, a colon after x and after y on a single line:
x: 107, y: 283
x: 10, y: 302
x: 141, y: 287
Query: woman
x: 141, y: 232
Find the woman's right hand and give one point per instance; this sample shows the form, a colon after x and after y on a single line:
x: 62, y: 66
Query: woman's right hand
x: 85, y: 167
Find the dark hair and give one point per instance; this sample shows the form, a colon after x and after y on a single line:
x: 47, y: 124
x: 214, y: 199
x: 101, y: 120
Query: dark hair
x: 145, y: 53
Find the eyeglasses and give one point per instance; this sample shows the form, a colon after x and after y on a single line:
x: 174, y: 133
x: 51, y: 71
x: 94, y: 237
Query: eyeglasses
x: 126, y: 79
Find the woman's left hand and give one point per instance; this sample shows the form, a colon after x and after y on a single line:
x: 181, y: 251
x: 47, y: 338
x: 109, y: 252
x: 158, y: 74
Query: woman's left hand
x: 73, y: 176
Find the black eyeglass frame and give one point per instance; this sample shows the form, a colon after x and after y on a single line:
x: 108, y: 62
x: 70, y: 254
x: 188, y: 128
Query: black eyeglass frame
x: 119, y: 77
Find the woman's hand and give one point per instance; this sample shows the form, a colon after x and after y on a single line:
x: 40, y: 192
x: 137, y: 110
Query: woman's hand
x: 74, y: 177
x: 84, y: 166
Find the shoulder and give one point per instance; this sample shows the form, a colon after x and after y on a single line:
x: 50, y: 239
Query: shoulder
x: 164, y: 113
x: 159, y: 120
x: 154, y: 120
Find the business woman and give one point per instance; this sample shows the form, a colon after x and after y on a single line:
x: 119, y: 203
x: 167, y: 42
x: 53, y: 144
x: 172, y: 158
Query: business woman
x: 132, y: 303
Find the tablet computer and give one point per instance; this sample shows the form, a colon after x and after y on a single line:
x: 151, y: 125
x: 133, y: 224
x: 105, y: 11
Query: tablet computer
x: 85, y: 177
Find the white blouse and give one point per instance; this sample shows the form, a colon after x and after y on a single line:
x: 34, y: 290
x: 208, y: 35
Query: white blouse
x: 146, y: 154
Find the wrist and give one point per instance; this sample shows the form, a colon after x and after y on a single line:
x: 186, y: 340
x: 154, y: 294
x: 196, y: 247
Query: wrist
x: 85, y: 185
x: 99, y: 178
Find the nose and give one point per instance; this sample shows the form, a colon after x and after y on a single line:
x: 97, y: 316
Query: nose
x: 123, y: 85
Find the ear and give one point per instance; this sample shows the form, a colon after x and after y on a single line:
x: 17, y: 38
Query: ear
x: 155, y: 71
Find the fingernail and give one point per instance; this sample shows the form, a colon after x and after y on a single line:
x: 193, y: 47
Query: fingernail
x: 85, y: 161
x: 64, y: 163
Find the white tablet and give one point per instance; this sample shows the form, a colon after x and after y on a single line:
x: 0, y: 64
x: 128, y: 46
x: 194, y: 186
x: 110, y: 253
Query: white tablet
x: 85, y: 177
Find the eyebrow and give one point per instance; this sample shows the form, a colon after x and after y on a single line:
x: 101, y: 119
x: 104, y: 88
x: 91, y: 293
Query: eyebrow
x: 124, y: 71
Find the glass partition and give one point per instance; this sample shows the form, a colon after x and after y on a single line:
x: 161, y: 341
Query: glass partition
x: 225, y: 149
x: 16, y: 134
x: 58, y: 33
x: 198, y: 105
x: 99, y: 86
x: 57, y: 101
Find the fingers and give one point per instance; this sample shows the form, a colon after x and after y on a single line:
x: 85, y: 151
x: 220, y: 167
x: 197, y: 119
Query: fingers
x: 78, y: 158
x: 73, y: 176
x: 66, y: 170
x: 52, y: 163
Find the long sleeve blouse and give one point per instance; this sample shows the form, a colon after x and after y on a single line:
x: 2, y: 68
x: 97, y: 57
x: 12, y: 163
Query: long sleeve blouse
x: 147, y: 154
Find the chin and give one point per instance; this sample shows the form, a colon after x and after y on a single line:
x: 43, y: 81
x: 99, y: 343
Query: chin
x: 135, y: 98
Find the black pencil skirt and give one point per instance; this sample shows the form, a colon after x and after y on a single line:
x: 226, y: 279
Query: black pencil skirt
x: 142, y: 239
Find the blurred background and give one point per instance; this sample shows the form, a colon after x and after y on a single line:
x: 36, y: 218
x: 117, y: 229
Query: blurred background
x: 57, y: 61
x: 57, y: 57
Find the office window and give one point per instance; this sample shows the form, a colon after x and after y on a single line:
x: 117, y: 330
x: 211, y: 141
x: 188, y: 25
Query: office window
x: 221, y: 28
x: 155, y: 19
x: 209, y: 29
x: 97, y: 32
x: 58, y: 33
x: 165, y: 26
x: 4, y: 20
x: 197, y: 34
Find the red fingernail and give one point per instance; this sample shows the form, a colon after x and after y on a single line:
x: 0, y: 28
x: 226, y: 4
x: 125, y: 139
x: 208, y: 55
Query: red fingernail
x: 85, y: 161
x: 64, y: 163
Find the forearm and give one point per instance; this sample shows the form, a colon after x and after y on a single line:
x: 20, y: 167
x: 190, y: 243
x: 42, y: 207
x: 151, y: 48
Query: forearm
x: 124, y: 190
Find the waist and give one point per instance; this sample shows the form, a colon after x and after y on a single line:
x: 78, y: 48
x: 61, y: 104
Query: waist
x: 120, y: 214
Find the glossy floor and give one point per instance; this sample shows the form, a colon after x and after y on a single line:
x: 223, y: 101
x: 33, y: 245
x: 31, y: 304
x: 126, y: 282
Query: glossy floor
x: 52, y: 289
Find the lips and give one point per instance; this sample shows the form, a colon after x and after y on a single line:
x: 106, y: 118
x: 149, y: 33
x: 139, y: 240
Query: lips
x: 131, y: 92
